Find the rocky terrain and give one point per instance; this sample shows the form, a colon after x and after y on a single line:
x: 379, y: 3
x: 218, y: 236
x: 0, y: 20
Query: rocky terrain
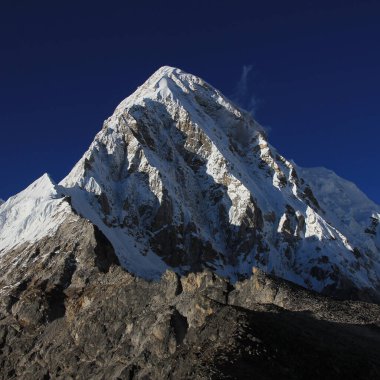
x: 182, y: 245
x: 73, y: 312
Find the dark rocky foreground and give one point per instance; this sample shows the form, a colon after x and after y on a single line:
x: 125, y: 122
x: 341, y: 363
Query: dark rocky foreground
x: 69, y: 311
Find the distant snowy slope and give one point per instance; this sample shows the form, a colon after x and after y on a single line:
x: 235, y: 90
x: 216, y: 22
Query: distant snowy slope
x: 345, y: 206
x: 32, y: 214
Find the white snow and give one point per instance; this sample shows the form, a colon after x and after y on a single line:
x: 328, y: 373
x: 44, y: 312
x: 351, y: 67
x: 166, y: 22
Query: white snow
x: 345, y: 206
x: 164, y: 89
x: 32, y: 214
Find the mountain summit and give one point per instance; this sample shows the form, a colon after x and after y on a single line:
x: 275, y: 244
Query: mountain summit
x: 181, y: 186
x: 181, y: 178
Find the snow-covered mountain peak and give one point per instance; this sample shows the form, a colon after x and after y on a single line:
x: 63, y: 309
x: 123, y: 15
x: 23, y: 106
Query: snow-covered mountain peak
x: 173, y: 88
x: 32, y: 214
x: 164, y: 82
x: 179, y: 177
x: 41, y: 187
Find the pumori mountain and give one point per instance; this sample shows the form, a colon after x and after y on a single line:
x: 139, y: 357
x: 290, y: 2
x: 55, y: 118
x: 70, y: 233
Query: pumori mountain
x: 181, y: 178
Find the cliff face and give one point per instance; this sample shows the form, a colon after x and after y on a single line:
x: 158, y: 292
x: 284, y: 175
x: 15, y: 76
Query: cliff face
x: 71, y: 311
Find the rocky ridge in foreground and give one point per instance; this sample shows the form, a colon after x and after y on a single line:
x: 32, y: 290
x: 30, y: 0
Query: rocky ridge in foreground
x: 71, y: 311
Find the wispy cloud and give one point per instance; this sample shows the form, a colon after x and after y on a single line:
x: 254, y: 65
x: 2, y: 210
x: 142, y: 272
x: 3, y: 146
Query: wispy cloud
x: 242, y: 85
x: 243, y: 95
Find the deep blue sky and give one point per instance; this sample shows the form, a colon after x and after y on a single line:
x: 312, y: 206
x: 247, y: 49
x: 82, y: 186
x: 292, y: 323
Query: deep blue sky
x: 64, y: 66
